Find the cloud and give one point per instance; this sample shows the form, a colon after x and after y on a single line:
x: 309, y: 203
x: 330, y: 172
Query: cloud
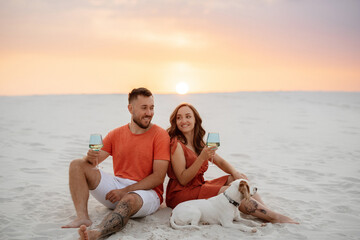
x: 228, y: 38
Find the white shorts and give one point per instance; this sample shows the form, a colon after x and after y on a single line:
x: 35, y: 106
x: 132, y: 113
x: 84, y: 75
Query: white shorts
x: 151, y: 201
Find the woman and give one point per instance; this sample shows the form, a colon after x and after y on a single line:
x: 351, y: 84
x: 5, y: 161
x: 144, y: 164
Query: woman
x: 189, y: 162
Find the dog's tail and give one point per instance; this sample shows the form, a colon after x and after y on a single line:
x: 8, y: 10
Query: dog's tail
x: 179, y: 227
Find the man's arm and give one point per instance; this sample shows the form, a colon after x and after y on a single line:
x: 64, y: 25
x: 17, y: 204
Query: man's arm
x: 153, y: 180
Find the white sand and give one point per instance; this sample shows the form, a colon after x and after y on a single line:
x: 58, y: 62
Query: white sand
x: 302, y: 150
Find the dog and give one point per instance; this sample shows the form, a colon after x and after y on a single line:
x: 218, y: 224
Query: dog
x: 222, y: 209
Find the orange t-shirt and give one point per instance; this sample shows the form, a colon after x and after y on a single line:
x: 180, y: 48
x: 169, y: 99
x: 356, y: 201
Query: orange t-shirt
x: 134, y: 154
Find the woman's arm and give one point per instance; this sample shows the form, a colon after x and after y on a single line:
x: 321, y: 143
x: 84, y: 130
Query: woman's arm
x: 178, y: 162
x: 228, y: 168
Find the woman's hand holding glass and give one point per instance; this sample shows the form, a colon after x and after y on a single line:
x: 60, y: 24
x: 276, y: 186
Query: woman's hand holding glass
x: 213, y: 140
x: 208, y: 153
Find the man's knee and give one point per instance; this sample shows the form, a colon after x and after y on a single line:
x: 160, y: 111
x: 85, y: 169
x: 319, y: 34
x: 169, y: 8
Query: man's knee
x: 79, y: 167
x: 132, y: 198
x: 78, y: 164
x: 75, y: 163
x: 131, y: 201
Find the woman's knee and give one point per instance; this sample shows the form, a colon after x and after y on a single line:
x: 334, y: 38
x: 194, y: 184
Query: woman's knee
x: 222, y: 189
x: 230, y: 180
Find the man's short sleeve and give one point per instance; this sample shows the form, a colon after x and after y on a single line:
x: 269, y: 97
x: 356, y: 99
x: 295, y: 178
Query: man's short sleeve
x: 107, y: 142
x: 162, y: 145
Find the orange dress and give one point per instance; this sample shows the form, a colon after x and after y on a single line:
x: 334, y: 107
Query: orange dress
x: 197, y: 188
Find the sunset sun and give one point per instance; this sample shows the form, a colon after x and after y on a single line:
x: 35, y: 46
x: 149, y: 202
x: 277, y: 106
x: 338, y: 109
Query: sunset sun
x: 182, y: 88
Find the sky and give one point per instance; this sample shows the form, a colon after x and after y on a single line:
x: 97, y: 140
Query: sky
x: 99, y: 47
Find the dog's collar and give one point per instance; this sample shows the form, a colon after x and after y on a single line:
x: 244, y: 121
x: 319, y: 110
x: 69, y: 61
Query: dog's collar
x: 233, y: 202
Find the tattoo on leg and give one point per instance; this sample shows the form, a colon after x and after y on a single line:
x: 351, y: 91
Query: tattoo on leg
x: 116, y: 220
x: 251, y: 207
x: 124, y: 208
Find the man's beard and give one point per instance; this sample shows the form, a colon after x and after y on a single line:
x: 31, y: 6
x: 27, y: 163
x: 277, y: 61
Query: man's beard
x: 141, y: 125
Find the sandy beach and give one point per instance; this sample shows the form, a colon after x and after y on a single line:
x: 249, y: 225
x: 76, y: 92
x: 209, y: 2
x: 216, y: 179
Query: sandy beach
x: 301, y: 149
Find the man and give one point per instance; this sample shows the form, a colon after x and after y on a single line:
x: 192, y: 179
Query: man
x: 141, y: 154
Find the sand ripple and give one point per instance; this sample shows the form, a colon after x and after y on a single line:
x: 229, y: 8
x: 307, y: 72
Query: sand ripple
x: 300, y: 149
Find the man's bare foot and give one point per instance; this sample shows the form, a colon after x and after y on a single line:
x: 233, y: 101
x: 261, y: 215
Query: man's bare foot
x: 88, y: 234
x: 77, y: 223
x: 83, y: 233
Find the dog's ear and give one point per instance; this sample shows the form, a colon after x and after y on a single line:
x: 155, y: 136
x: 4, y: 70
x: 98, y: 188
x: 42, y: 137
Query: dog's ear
x: 244, y: 189
x: 254, y: 190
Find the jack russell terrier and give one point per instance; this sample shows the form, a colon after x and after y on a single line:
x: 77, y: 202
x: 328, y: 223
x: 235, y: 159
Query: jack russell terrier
x: 222, y: 209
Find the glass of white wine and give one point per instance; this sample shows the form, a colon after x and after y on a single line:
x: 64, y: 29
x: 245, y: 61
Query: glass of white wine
x: 213, y: 140
x: 96, y: 143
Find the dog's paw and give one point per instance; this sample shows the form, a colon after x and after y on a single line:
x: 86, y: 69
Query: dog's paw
x: 263, y: 225
x: 254, y: 230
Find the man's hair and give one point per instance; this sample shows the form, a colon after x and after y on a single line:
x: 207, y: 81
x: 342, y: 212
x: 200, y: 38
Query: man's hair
x: 139, y: 91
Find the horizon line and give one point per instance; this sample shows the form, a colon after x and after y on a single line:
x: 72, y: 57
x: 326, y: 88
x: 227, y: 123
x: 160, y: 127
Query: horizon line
x: 189, y: 93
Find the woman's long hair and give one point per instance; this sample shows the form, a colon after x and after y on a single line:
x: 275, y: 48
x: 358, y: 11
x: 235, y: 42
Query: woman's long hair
x: 199, y: 131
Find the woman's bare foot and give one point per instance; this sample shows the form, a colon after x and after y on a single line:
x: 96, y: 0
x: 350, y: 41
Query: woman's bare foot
x: 88, y: 234
x: 78, y: 222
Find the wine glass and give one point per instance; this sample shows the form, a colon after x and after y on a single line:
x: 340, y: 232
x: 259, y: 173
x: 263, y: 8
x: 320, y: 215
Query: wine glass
x: 96, y: 143
x: 213, y: 140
